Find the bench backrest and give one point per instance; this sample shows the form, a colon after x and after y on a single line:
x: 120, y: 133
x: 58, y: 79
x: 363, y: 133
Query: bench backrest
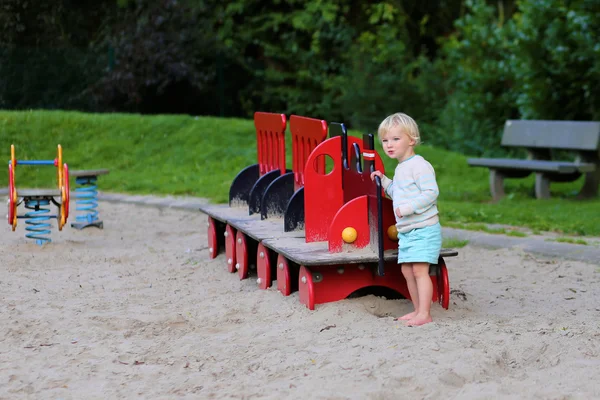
x: 307, y: 133
x: 270, y: 141
x: 567, y: 135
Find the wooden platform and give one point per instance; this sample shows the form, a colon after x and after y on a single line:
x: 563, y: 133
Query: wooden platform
x: 39, y: 193
x: 293, y: 244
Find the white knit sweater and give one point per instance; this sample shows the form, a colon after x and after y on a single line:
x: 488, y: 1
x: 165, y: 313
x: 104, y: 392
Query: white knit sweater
x: 414, y: 191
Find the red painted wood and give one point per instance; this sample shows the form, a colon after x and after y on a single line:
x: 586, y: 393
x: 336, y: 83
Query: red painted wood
x: 325, y: 284
x: 241, y: 255
x: 306, y: 289
x: 242, y: 265
x: 230, y: 233
x: 245, y: 255
x: 213, y: 244
x: 270, y: 141
x: 352, y: 214
x: 264, y: 267
x: 323, y: 195
x: 443, y: 284
x: 334, y: 286
x: 284, y: 281
x: 307, y: 133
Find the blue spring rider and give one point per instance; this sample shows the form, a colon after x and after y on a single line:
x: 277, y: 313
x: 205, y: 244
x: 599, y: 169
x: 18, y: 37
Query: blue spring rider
x: 37, y: 201
x: 86, y: 195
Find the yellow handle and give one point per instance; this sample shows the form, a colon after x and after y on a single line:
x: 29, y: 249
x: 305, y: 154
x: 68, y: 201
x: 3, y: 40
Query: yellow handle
x: 60, y: 168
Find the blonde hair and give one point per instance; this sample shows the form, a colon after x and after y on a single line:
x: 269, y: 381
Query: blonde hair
x: 408, y: 124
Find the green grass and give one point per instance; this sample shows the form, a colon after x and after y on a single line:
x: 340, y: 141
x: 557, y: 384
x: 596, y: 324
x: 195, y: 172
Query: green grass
x: 516, y: 234
x: 482, y: 227
x: 448, y: 243
x: 183, y: 155
x: 568, y: 240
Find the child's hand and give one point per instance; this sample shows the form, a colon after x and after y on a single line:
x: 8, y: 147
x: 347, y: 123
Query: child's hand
x: 376, y: 173
x: 398, y: 213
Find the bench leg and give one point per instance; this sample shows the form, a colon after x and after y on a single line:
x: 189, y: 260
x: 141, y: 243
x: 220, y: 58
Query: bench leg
x: 287, y: 275
x: 443, y: 284
x: 590, y: 186
x: 266, y: 263
x: 542, y: 186
x: 229, y: 234
x: 245, y: 254
x: 496, y: 184
x: 215, y: 236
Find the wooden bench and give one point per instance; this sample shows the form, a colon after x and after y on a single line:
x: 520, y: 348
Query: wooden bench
x: 541, y: 139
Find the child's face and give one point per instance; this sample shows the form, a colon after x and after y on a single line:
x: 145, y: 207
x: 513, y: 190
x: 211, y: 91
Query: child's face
x: 397, y: 144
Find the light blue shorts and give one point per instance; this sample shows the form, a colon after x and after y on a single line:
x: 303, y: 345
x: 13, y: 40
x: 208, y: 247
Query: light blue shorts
x: 420, y: 245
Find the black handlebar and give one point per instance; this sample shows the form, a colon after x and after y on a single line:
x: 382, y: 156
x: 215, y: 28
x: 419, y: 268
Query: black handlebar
x: 380, y: 267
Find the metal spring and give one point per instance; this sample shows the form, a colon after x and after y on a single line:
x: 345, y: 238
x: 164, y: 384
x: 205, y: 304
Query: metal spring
x: 38, y: 221
x: 87, y: 198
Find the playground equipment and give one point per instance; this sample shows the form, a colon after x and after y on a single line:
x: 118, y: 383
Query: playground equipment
x: 38, y: 200
x: 326, y: 234
x: 86, y: 198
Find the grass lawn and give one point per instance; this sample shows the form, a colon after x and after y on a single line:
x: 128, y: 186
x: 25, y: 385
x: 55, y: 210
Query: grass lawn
x: 200, y: 156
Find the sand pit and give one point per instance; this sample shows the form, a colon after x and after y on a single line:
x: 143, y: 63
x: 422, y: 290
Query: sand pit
x: 137, y: 310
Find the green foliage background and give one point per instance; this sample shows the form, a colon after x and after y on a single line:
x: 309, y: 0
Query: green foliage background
x: 459, y: 67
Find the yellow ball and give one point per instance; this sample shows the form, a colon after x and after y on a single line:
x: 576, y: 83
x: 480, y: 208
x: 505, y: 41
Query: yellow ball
x: 349, y: 234
x: 392, y: 232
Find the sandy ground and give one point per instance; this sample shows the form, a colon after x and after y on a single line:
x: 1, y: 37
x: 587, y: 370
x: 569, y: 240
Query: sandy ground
x: 137, y: 310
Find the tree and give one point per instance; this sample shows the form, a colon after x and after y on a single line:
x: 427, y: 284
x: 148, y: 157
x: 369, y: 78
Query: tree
x: 164, y: 59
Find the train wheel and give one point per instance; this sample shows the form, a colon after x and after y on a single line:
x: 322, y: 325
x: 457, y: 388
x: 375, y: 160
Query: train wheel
x: 443, y: 284
x: 230, y: 233
x: 213, y: 244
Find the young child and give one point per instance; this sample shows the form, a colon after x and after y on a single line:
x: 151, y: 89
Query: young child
x: 414, y: 192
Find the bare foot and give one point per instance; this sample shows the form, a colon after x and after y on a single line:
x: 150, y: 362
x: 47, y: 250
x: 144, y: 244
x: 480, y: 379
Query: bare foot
x: 406, y: 317
x: 418, y: 321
